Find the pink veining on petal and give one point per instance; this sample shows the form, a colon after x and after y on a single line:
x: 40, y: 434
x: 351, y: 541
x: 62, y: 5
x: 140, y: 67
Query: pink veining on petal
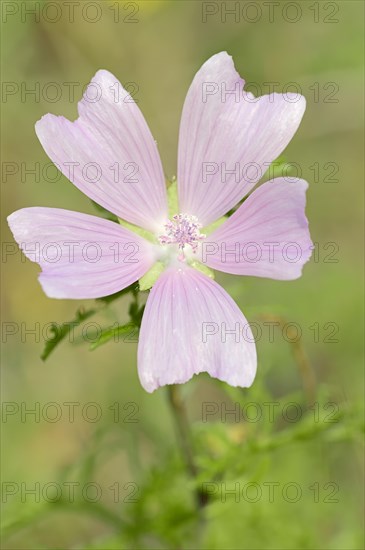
x: 228, y: 138
x: 272, y: 222
x: 109, y: 153
x: 81, y: 256
x: 185, y: 331
x: 188, y: 316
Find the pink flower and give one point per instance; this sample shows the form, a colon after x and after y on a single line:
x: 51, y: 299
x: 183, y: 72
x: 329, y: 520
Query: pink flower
x: 190, y: 323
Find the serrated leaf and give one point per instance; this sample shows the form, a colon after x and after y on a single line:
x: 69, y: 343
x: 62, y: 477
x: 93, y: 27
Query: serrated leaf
x: 114, y: 333
x: 60, y: 332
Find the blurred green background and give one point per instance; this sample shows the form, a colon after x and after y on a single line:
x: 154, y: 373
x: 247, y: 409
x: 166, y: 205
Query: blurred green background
x: 321, y: 453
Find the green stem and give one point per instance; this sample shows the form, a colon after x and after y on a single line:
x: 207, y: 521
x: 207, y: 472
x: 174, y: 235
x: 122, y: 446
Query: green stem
x: 185, y: 440
x: 305, y: 368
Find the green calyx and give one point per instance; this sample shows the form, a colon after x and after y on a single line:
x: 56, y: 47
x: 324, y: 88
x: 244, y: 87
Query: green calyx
x: 148, y: 280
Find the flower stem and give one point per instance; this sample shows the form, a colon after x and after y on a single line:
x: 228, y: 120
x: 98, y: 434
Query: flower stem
x: 185, y: 440
x: 305, y: 368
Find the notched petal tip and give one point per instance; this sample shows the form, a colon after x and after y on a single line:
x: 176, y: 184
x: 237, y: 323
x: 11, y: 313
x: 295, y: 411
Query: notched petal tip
x: 150, y: 386
x: 19, y: 223
x: 273, y: 220
x: 111, y: 134
x: 182, y: 308
x: 216, y: 112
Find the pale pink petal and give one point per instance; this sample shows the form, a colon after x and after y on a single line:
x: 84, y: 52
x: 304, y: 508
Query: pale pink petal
x: 81, y: 256
x: 222, y: 132
x: 267, y: 236
x: 185, y: 331
x: 109, y: 153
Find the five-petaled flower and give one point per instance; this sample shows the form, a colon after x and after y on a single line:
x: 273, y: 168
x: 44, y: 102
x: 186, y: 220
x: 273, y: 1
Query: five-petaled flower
x: 215, y: 128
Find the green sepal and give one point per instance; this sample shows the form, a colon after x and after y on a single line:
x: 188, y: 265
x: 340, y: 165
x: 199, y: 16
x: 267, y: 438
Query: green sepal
x: 213, y: 226
x: 202, y: 268
x: 148, y: 280
x: 172, y: 198
x: 276, y: 169
x: 138, y: 230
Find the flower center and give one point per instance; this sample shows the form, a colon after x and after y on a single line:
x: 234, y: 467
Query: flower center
x: 182, y: 230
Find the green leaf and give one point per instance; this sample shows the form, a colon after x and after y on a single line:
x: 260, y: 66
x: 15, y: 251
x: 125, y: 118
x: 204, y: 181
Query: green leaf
x: 60, y: 332
x: 115, y: 333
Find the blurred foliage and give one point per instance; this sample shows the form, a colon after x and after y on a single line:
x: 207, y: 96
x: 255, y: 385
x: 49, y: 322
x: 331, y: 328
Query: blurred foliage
x: 132, y: 448
x: 231, y: 458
